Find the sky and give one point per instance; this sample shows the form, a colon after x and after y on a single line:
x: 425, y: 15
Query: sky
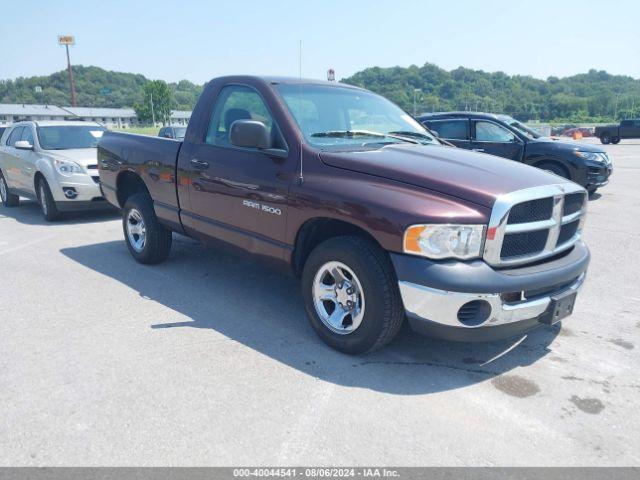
x: 198, y: 39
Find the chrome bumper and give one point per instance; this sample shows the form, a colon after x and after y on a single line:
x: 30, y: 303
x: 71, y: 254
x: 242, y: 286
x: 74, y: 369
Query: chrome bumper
x: 441, y: 307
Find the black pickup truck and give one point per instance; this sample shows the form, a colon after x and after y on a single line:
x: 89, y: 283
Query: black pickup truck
x: 342, y: 188
x: 614, y: 133
x: 502, y: 135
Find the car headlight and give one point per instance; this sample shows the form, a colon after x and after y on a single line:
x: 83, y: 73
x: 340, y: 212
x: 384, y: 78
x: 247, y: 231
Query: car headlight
x: 444, y: 241
x: 66, y: 168
x: 593, y: 156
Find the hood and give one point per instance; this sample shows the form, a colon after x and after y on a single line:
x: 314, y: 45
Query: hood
x: 471, y: 176
x: 564, y: 146
x: 82, y: 156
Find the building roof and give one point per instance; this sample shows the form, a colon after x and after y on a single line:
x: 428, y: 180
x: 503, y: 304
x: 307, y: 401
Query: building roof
x: 89, y: 112
x: 26, y: 109
x: 59, y: 123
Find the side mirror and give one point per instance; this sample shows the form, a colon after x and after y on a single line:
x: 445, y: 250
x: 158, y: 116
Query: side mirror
x: 23, y: 145
x: 249, y: 134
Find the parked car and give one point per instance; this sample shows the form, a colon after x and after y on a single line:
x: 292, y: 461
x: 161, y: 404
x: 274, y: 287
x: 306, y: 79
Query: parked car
x: 583, y: 131
x: 342, y: 188
x: 54, y: 163
x: 173, y: 132
x: 501, y: 135
x: 615, y: 133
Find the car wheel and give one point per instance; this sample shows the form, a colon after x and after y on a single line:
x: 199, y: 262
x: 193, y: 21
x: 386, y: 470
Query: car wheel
x: 592, y: 190
x: 351, y: 295
x: 147, y: 239
x: 556, y: 169
x: 605, y: 139
x: 48, y: 205
x: 615, y: 140
x: 8, y: 198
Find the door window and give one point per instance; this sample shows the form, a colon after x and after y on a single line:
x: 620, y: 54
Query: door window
x: 451, y: 129
x: 236, y: 102
x: 492, y: 132
x: 27, y: 135
x: 14, y: 136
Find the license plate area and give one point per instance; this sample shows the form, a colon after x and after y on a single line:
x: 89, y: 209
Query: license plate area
x: 561, y: 306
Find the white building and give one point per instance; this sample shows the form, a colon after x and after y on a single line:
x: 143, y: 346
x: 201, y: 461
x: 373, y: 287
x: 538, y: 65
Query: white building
x: 109, y: 117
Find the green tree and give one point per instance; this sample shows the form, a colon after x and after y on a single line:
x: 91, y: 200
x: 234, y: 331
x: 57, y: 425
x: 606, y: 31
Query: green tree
x: 157, y: 102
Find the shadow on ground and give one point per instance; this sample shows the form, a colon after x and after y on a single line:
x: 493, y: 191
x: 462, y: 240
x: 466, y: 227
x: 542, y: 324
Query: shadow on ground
x: 263, y: 310
x: 29, y: 213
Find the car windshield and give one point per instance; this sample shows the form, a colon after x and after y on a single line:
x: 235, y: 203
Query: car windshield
x: 336, y: 117
x: 67, y: 137
x: 179, y: 132
x: 520, y: 127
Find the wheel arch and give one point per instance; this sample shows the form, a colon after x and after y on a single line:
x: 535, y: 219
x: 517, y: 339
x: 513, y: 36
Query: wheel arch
x: 129, y: 183
x: 319, y: 229
x: 551, y: 161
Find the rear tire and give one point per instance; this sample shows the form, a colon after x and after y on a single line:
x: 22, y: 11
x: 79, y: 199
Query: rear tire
x: 376, y: 313
x: 615, y: 140
x: 48, y: 205
x: 147, y: 239
x: 9, y: 200
x: 605, y: 139
x: 555, y: 168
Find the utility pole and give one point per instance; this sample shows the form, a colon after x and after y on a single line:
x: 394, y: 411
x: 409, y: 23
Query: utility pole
x: 153, y: 115
x: 415, y: 92
x: 68, y: 40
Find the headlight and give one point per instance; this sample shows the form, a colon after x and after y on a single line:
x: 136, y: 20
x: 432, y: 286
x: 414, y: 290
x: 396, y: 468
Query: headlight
x: 444, y: 241
x: 66, y: 168
x: 593, y: 156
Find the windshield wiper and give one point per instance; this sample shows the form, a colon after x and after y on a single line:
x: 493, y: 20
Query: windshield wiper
x: 408, y: 133
x: 361, y: 133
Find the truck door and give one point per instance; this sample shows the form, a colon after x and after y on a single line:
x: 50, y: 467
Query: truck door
x: 635, y: 132
x: 236, y: 194
x: 454, y: 130
x: 625, y: 130
x: 490, y: 137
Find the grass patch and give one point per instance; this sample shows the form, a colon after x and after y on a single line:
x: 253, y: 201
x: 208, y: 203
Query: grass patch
x: 153, y: 131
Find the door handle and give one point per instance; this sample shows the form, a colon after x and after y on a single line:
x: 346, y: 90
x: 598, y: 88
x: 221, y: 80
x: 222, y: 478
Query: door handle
x: 199, y: 163
x: 478, y: 149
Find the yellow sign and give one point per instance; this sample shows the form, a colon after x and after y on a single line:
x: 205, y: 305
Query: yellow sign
x: 66, y: 40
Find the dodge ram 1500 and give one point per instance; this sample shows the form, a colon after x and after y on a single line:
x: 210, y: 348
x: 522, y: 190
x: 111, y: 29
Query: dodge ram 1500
x: 347, y: 191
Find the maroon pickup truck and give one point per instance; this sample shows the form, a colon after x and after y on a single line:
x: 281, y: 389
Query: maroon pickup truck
x: 381, y: 221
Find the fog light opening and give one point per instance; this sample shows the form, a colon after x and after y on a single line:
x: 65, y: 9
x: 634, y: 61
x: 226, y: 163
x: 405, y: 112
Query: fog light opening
x: 70, y: 192
x: 474, y: 313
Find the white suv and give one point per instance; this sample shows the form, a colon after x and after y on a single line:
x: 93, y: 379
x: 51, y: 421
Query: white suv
x: 54, y: 163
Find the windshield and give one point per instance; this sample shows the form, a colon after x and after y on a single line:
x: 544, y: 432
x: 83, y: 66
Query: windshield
x: 179, y: 132
x: 520, y: 127
x: 67, y: 137
x: 335, y: 117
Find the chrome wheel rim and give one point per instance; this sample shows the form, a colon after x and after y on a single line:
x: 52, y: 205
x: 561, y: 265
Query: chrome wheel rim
x: 43, y: 199
x: 338, y: 298
x: 136, y: 230
x: 3, y: 190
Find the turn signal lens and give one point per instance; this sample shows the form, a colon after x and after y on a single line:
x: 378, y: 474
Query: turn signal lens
x: 444, y: 241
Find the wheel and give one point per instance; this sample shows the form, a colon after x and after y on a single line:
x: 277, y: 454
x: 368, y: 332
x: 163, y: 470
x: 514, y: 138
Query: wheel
x: 8, y: 199
x: 351, y: 295
x: 48, y: 205
x: 605, y: 139
x: 592, y: 190
x: 147, y: 239
x: 555, y: 168
x: 615, y: 140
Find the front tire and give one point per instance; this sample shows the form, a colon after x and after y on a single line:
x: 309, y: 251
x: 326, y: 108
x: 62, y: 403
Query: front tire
x: 9, y: 200
x: 605, y: 139
x: 48, y: 205
x: 351, y: 295
x: 147, y: 239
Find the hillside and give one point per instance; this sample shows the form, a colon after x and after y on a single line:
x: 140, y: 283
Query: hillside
x: 586, y: 97
x: 95, y: 87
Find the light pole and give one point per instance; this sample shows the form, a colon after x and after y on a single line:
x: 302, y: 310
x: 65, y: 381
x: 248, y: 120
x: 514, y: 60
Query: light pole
x: 415, y: 93
x: 67, y: 40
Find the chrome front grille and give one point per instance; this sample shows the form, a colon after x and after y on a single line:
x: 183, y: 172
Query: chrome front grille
x: 531, y: 224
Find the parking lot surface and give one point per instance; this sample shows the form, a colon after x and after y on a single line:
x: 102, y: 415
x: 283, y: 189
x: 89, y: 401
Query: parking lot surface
x: 208, y: 359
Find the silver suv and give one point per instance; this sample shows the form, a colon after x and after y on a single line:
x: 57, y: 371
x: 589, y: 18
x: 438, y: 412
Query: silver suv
x: 54, y: 163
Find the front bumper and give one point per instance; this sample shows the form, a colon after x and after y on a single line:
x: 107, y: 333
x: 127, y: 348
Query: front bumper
x: 470, y: 301
x: 598, y: 174
x: 86, y: 188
